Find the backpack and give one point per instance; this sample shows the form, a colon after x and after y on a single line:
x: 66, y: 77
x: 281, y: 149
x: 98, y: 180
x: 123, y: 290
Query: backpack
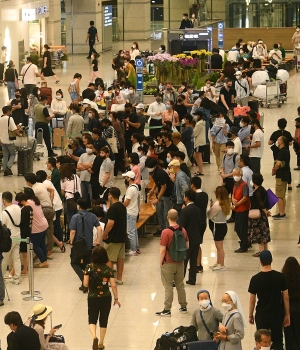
x: 233, y: 159
x: 179, y: 336
x: 177, y: 248
x: 5, y: 239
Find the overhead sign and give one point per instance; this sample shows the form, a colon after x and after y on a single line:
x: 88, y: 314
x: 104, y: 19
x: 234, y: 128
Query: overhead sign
x: 221, y: 35
x: 107, y: 11
x: 139, y: 81
x: 139, y: 65
x: 28, y: 14
x: 42, y: 10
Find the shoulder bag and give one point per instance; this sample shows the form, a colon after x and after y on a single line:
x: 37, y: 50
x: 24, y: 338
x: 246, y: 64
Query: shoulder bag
x: 11, y: 219
x: 11, y: 134
x: 112, y: 141
x: 16, y: 80
x: 79, y: 249
x: 72, y: 202
x: 25, y: 73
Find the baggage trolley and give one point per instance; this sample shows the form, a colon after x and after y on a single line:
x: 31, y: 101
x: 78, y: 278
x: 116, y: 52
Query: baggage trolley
x: 39, y: 144
x: 272, y: 94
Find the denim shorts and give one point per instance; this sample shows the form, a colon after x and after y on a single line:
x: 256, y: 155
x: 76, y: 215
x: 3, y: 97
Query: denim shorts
x: 74, y: 96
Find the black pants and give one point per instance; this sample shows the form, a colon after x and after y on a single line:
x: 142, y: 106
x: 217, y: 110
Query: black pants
x: 229, y: 183
x: 46, y: 136
x: 91, y: 45
x: 241, y: 228
x: 119, y: 163
x: 154, y: 132
x: 274, y: 324
x: 78, y: 265
x: 99, y: 308
x: 255, y: 165
x: 191, y: 255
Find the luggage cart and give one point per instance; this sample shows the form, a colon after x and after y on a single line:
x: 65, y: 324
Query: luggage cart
x: 272, y: 94
x: 39, y: 144
x: 297, y: 58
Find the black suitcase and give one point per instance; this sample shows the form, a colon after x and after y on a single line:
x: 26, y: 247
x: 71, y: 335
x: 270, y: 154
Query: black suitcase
x: 25, y: 161
x: 201, y: 345
x: 253, y: 104
x: 206, y: 154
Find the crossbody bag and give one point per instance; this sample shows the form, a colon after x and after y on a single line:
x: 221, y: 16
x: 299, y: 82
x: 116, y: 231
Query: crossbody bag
x: 25, y: 73
x: 11, y: 219
x: 72, y: 202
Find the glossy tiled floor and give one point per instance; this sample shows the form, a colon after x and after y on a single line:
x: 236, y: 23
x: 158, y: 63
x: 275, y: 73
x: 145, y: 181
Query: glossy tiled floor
x: 134, y: 325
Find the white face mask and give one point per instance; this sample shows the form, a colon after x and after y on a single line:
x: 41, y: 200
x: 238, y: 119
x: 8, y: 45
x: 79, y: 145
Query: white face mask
x: 78, y: 207
x: 58, y: 97
x: 265, y: 347
x: 241, y: 125
x: 297, y: 29
x: 85, y: 105
x: 133, y: 46
x: 90, y: 115
x: 139, y: 154
x: 276, y: 144
x: 207, y: 85
x: 226, y: 307
x: 89, y: 150
x: 237, y: 178
x: 131, y: 166
x: 204, y: 303
x: 230, y: 151
x: 251, y: 183
x: 110, y: 118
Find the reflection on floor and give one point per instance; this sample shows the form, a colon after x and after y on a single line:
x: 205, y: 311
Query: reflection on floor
x: 135, y: 325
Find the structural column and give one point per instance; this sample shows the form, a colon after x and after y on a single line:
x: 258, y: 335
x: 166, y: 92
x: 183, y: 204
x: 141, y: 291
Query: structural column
x: 54, y: 23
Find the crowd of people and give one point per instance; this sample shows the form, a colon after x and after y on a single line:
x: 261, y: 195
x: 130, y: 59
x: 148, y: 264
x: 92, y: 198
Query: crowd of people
x: 185, y: 128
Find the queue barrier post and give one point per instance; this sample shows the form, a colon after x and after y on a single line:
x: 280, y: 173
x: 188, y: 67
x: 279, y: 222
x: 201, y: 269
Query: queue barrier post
x: 33, y: 294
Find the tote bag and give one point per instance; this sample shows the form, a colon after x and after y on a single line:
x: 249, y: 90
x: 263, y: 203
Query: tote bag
x: 112, y: 141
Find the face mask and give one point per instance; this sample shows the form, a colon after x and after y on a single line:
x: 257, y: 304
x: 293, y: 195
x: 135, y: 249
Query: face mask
x: 226, y: 307
x: 90, y: 115
x: 110, y: 118
x: 39, y: 92
x: 241, y: 125
x: 276, y: 144
x: 160, y: 49
x: 184, y: 18
x: 229, y: 135
x: 237, y: 178
x: 297, y: 126
x: 127, y: 111
x: 297, y: 29
x: 58, y: 97
x: 168, y: 107
x: 158, y: 100
x: 208, y: 85
x: 251, y: 183
x: 89, y: 150
x: 131, y: 92
x: 85, y: 105
x: 139, y: 154
x: 100, y: 91
x: 241, y: 52
x: 131, y: 166
x: 230, y: 151
x: 70, y: 146
x: 168, y: 160
x: 204, y: 303
x: 265, y: 347
x: 150, y: 170
x: 78, y: 208
x: 133, y: 46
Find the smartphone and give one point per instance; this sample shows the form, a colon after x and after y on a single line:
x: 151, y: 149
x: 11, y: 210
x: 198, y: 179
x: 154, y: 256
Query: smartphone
x: 211, y: 200
x: 58, y: 326
x: 104, y: 208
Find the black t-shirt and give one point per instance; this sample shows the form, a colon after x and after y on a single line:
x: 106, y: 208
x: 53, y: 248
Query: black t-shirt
x: 227, y: 96
x: 284, y: 157
x: 129, y: 129
x: 181, y: 110
x: 201, y: 202
x: 186, y: 23
x: 274, y: 138
x: 92, y: 31
x: 216, y: 61
x: 86, y: 93
x: 96, y: 169
x: 26, y: 221
x: 17, y: 114
x: 171, y: 148
x: 268, y: 287
x: 117, y: 212
x: 95, y: 65
x: 142, y: 120
x: 185, y: 169
x: 160, y: 177
x: 102, y: 143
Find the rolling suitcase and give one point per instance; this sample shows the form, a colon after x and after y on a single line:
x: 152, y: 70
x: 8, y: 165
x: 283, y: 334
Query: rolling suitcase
x: 25, y: 161
x: 206, y: 154
x: 57, y: 133
x: 253, y: 104
x: 201, y: 345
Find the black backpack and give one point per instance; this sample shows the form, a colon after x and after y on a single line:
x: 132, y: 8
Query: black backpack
x: 5, y: 239
x: 179, y: 336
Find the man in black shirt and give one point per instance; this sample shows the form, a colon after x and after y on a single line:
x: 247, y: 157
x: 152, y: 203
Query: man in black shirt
x: 180, y: 108
x: 131, y: 123
x: 140, y: 110
x: 185, y: 23
x: 216, y: 59
x: 201, y: 201
x: 227, y: 94
x: 164, y: 186
x: 115, y: 232
x: 92, y: 35
x: 281, y: 172
x: 86, y: 93
x: 22, y: 337
x: 271, y: 289
x: 94, y: 171
x: 168, y: 147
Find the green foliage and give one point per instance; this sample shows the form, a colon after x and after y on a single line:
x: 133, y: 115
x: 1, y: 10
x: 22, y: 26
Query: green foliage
x: 35, y: 58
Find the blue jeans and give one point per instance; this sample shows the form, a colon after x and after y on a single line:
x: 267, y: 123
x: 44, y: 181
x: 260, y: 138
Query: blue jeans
x: 162, y: 208
x: 11, y: 88
x: 57, y: 227
x: 39, y: 245
x: 9, y: 154
x: 86, y: 190
x: 2, y: 287
x: 132, y: 232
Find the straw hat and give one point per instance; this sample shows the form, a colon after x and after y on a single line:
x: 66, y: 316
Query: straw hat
x: 41, y: 311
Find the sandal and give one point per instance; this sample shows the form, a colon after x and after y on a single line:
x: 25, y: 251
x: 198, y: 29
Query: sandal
x: 256, y: 255
x: 57, y: 81
x: 63, y: 249
x: 197, y: 173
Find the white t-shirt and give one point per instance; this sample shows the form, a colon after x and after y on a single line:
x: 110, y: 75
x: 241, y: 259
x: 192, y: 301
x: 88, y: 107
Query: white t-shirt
x: 106, y: 167
x: 208, y: 95
x: 57, y: 203
x: 40, y: 190
x: 30, y: 76
x: 15, y: 212
x: 4, y: 136
x: 132, y: 193
x: 258, y: 151
x: 237, y: 146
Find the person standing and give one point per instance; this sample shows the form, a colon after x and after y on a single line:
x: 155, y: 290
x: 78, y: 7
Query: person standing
x: 155, y: 111
x: 43, y: 118
x: 242, y: 89
x: 273, y: 307
x: 185, y: 23
x: 11, y: 75
x: 47, y: 66
x: 55, y: 176
x: 2, y: 285
x: 241, y: 205
x: 296, y: 37
x: 132, y: 204
x: 11, y: 218
x: 106, y: 173
x: 143, y: 119
x: 131, y: 124
x: 115, y: 232
x: 91, y: 37
x: 257, y: 147
x: 200, y: 141
x: 189, y: 219
x: 187, y: 135
x: 7, y: 127
x: 170, y: 270
x: 227, y: 95
x: 244, y: 134
x: 85, y: 162
x: 29, y: 72
x: 281, y: 172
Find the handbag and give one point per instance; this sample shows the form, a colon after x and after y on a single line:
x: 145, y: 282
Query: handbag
x: 79, y: 249
x: 254, y: 214
x: 112, y: 141
x: 56, y: 338
x: 72, y: 202
x: 271, y: 199
x: 16, y: 81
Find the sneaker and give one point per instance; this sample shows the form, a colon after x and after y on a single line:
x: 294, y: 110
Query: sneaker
x: 9, y: 171
x: 15, y: 281
x: 279, y: 217
x: 132, y: 253
x: 1, y: 303
x: 166, y: 313
x: 190, y: 282
x: 138, y: 251
x: 6, y: 173
x: 214, y: 265
x: 43, y: 265
x: 8, y: 277
x: 200, y: 269
x: 183, y: 310
x: 241, y: 250
x: 219, y: 267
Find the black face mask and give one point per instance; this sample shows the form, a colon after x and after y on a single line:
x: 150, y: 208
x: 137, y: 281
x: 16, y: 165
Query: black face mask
x: 70, y: 146
x: 127, y: 111
x: 297, y: 126
x: 126, y: 183
x: 229, y: 135
x: 20, y: 205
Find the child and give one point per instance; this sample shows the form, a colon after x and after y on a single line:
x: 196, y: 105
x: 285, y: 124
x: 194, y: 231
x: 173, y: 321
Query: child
x: 95, y: 73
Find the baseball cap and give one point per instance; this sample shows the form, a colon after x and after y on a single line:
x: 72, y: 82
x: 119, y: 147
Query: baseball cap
x: 238, y: 73
x: 174, y: 162
x: 265, y: 255
x: 130, y: 174
x: 86, y: 101
x: 140, y: 106
x: 234, y: 130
